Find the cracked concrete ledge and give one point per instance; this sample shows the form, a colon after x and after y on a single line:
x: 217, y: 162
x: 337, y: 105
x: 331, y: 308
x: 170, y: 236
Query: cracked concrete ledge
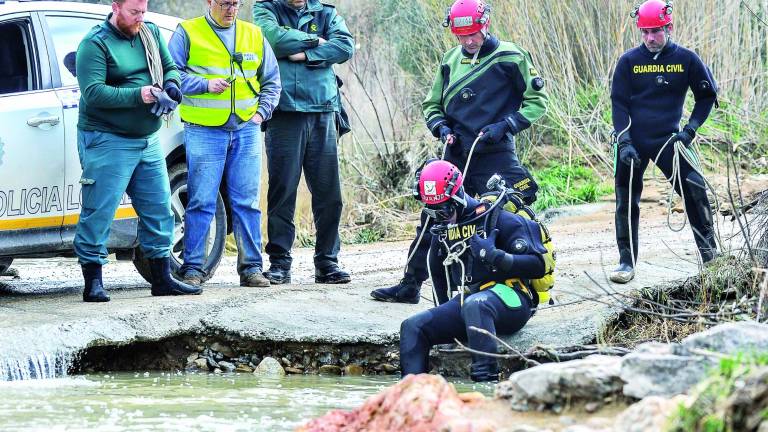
x: 42, y: 312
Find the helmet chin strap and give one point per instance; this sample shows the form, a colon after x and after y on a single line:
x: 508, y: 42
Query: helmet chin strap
x: 484, y: 32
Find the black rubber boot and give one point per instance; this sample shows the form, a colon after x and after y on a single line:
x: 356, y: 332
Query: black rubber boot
x: 163, y: 284
x: 407, y: 291
x: 622, y: 226
x: 94, y: 287
x: 700, y: 217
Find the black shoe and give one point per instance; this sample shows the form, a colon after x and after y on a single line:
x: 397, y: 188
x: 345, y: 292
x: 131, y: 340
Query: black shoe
x: 163, y: 284
x: 94, y: 287
x: 332, y: 274
x: 255, y: 279
x: 278, y: 275
x: 407, y: 291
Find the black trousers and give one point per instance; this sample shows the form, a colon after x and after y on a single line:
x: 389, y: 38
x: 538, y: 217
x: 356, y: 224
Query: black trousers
x: 298, y: 141
x: 692, y: 187
x: 482, y: 167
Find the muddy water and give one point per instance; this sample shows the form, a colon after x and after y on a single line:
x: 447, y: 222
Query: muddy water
x: 162, y: 401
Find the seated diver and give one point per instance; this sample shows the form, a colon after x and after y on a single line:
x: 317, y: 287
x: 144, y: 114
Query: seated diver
x: 493, y: 257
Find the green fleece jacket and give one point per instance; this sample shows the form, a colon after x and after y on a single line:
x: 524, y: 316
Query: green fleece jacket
x: 111, y: 69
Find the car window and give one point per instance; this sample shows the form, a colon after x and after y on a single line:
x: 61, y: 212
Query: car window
x: 67, y: 32
x: 17, y: 70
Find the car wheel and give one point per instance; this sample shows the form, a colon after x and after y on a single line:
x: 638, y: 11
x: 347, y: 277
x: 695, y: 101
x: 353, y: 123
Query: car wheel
x: 217, y: 234
x: 5, y: 264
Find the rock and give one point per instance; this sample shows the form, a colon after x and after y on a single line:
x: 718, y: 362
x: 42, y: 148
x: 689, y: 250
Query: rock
x: 388, y: 368
x: 226, y: 366
x: 417, y: 403
x: 583, y: 428
x: 329, y: 370
x: 524, y: 428
x: 650, y: 414
x: 730, y: 338
x: 213, y: 364
x: 269, y: 367
x: 655, y: 369
x: 746, y: 407
x: 554, y: 385
x: 201, y: 364
x: 243, y: 368
x: 192, y: 357
x: 592, y: 407
x: 255, y: 359
x: 294, y: 370
x: 217, y: 371
x: 225, y: 350
x: 353, y: 370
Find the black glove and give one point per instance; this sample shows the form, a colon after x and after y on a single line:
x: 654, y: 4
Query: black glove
x: 172, y: 90
x: 628, y: 153
x: 494, y: 133
x: 685, y: 136
x: 484, y: 249
x: 164, y: 104
x: 445, y: 131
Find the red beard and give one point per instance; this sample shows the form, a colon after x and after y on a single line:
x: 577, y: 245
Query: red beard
x: 128, y: 29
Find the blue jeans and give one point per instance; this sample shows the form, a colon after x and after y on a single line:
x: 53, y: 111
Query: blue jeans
x: 214, y: 154
x: 113, y: 165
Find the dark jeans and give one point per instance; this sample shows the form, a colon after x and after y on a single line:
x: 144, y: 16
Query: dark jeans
x: 696, y: 203
x: 451, y: 320
x: 481, y: 168
x: 296, y: 141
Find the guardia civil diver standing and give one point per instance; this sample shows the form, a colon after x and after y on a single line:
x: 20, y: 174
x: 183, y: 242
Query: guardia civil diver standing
x: 648, y: 93
x: 484, y: 87
x: 505, y: 253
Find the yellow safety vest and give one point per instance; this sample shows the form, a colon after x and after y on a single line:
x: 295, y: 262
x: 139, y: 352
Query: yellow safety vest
x: 209, y: 58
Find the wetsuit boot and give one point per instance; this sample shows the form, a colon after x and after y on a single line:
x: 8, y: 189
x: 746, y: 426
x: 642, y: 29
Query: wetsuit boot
x: 700, y: 217
x: 406, y: 291
x: 625, y: 272
x: 163, y: 284
x: 94, y: 287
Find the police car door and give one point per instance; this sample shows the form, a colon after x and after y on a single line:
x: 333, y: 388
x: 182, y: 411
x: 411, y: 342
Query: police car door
x: 64, y: 31
x: 32, y: 199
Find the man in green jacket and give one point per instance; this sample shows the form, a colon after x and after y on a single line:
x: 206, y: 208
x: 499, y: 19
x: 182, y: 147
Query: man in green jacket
x: 308, y: 38
x: 122, y: 101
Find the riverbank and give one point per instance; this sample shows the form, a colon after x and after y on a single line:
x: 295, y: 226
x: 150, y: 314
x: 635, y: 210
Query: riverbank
x: 46, y: 326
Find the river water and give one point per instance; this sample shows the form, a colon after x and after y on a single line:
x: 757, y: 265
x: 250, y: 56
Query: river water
x: 152, y: 401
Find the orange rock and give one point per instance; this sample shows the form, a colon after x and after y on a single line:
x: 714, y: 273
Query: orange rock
x: 418, y: 403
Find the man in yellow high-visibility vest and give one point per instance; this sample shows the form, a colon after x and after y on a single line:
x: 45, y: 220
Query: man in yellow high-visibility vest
x: 231, y: 84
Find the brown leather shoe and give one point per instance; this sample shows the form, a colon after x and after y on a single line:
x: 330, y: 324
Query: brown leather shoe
x: 255, y: 279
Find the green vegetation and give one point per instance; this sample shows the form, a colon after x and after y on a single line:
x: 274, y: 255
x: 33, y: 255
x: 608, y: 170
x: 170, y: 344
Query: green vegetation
x: 709, y: 409
x: 564, y: 185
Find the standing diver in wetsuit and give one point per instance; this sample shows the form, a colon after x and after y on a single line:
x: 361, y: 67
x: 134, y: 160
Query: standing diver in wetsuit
x: 648, y: 93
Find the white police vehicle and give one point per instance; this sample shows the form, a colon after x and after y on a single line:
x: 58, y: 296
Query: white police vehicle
x: 39, y: 166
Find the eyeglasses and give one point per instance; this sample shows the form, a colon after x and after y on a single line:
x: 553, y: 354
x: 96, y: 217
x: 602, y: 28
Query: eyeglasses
x: 229, y: 5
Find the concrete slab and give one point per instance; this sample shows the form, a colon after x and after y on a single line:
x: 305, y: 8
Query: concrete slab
x: 42, y: 311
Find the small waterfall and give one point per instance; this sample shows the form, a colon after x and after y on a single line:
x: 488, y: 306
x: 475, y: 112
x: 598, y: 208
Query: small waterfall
x: 37, y: 366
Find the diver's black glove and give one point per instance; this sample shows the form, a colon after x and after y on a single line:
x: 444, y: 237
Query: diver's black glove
x: 628, y: 153
x: 494, y: 133
x: 685, y: 136
x: 484, y: 249
x: 445, y: 133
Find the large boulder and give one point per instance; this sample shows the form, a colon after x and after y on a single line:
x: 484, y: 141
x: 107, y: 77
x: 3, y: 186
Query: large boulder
x: 650, y: 414
x: 656, y: 369
x: 746, y: 408
x: 554, y: 385
x: 730, y: 338
x: 418, y: 403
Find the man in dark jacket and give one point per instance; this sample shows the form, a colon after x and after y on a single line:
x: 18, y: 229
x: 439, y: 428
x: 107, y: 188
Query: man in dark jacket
x: 648, y: 93
x: 487, y: 88
x: 308, y: 38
